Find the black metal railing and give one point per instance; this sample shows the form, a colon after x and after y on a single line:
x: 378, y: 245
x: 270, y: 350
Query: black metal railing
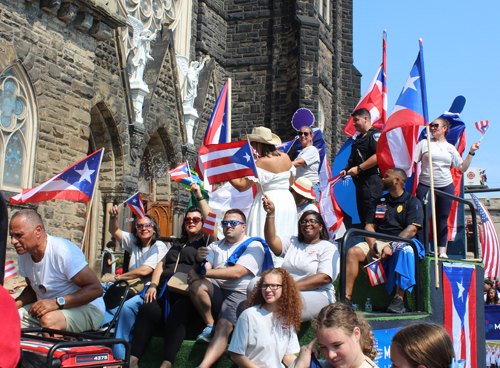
x: 343, y: 259
x: 427, y: 206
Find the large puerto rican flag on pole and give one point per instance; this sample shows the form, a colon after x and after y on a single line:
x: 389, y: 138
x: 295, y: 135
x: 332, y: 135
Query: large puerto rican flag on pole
x: 217, y: 127
x: 375, y: 97
x: 459, y: 289
x: 329, y: 208
x: 223, y: 162
x: 76, y: 183
x: 397, y: 142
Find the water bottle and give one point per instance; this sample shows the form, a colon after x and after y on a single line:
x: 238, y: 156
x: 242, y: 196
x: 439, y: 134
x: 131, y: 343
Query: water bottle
x: 368, y: 305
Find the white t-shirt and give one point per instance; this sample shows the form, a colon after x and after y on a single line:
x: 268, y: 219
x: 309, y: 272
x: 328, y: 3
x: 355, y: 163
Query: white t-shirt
x: 262, y: 338
x: 444, y: 155
x: 60, y: 263
x: 150, y: 256
x: 305, y: 260
x: 252, y: 259
x: 310, y: 170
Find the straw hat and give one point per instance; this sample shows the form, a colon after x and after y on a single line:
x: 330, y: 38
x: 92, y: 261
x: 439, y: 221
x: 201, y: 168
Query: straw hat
x: 304, y: 187
x: 263, y: 135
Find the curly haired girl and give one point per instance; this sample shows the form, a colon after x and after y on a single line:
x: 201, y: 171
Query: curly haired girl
x: 266, y: 332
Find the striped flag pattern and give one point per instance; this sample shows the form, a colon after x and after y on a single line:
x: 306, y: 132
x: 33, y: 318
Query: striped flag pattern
x: 489, y: 242
x: 136, y: 205
x: 376, y: 273
x: 482, y: 126
x: 329, y: 208
x: 180, y: 172
x: 10, y: 270
x: 209, y: 225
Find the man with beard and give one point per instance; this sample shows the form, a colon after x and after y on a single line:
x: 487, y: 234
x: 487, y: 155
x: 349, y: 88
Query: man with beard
x: 396, y: 213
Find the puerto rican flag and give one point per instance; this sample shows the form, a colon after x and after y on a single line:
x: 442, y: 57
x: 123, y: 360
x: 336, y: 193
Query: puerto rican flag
x: 180, y: 172
x: 375, y: 97
x: 217, y: 127
x: 329, y: 208
x: 223, y: 162
x: 209, y: 224
x: 285, y: 147
x: 10, y: 271
x: 76, y: 183
x: 490, y: 246
x: 136, y: 205
x: 397, y: 142
x: 482, y: 126
x: 376, y: 273
x: 459, y: 289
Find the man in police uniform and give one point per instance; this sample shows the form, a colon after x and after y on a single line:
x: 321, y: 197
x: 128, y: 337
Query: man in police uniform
x: 362, y: 164
x: 396, y: 213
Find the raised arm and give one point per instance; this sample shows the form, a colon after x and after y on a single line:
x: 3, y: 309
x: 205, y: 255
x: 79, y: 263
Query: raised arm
x: 113, y: 224
x: 272, y: 240
x: 205, y: 208
x: 466, y: 163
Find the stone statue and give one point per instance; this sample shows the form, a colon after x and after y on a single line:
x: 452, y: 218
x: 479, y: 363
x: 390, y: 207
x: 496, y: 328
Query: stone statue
x: 141, y: 44
x: 192, y: 74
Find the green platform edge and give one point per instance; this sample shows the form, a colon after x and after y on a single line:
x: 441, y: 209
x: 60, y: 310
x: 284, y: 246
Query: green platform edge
x: 191, y: 353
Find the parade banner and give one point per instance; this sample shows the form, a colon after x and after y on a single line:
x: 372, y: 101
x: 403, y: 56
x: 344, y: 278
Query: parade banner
x: 383, y: 340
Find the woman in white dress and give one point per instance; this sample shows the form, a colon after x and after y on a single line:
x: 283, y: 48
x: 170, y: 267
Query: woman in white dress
x: 276, y: 174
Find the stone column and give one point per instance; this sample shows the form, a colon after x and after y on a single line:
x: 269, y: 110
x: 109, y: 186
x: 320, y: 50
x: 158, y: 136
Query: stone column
x: 139, y: 90
x: 190, y: 116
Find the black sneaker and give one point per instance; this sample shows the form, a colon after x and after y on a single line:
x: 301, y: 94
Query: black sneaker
x: 397, y: 306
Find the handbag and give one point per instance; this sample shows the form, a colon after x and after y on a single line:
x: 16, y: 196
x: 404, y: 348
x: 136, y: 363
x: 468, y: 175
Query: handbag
x: 178, y: 281
x: 136, y: 285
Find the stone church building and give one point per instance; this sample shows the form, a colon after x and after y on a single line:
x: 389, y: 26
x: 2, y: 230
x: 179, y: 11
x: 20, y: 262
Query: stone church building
x: 67, y: 89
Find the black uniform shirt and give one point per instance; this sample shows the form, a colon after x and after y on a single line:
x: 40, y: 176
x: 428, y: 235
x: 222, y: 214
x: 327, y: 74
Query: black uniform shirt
x: 363, y: 148
x: 401, y: 212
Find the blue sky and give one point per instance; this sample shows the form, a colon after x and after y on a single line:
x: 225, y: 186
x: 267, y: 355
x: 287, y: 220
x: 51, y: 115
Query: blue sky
x: 461, y: 42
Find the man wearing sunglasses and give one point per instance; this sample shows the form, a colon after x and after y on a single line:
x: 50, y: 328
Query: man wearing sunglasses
x: 63, y: 293
x: 362, y: 163
x: 224, y: 285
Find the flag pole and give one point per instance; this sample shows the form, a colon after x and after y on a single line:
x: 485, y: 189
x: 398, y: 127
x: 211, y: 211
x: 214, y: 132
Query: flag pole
x: 433, y: 207
x: 229, y: 110
x: 89, y: 207
x: 384, y: 88
x: 261, y: 187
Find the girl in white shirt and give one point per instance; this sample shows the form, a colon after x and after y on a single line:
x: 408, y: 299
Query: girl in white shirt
x: 266, y: 332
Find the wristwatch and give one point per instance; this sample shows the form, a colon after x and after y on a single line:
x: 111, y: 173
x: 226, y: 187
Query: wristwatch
x: 61, y: 302
x: 360, y: 170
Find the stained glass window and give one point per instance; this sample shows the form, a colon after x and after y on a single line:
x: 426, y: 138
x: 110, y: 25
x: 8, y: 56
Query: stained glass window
x: 17, y: 128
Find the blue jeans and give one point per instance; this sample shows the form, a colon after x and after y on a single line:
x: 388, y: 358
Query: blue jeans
x: 125, y: 324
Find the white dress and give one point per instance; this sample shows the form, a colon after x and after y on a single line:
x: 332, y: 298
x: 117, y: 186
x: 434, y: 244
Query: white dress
x: 277, y: 189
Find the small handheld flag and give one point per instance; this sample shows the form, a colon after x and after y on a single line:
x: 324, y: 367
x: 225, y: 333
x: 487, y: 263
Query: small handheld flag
x: 209, y: 225
x: 180, y: 172
x: 376, y: 272
x: 136, y: 205
x: 10, y: 270
x: 483, y: 127
x: 285, y: 147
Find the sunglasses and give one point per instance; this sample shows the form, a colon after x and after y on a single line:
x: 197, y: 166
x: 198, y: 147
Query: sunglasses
x: 434, y: 126
x: 232, y: 223
x: 147, y: 225
x: 304, y: 133
x: 311, y: 221
x: 273, y: 287
x: 194, y: 220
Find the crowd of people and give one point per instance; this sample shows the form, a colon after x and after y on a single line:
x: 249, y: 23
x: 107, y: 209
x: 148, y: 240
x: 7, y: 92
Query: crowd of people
x: 259, y: 281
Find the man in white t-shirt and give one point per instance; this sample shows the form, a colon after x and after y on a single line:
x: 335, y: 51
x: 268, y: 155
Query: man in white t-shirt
x: 63, y: 293
x: 223, y: 287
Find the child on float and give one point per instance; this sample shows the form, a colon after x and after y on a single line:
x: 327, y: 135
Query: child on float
x: 345, y: 340
x: 266, y: 331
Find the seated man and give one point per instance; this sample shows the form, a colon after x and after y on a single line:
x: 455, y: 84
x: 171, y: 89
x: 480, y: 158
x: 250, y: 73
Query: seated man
x: 224, y: 286
x: 63, y: 293
x: 396, y: 213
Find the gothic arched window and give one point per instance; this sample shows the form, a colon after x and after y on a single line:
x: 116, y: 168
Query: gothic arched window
x: 18, y: 126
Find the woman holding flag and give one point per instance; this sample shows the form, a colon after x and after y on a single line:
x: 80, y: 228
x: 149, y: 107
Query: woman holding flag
x: 444, y: 155
x: 276, y: 174
x: 145, y: 252
x: 167, y: 306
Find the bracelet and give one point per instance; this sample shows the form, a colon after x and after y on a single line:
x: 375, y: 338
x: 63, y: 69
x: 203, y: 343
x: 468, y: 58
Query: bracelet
x: 153, y: 285
x: 271, y: 216
x: 200, y: 199
x: 112, y: 217
x: 472, y: 153
x: 360, y: 169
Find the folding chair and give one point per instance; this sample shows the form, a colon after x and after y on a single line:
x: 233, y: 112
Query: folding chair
x: 114, y: 297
